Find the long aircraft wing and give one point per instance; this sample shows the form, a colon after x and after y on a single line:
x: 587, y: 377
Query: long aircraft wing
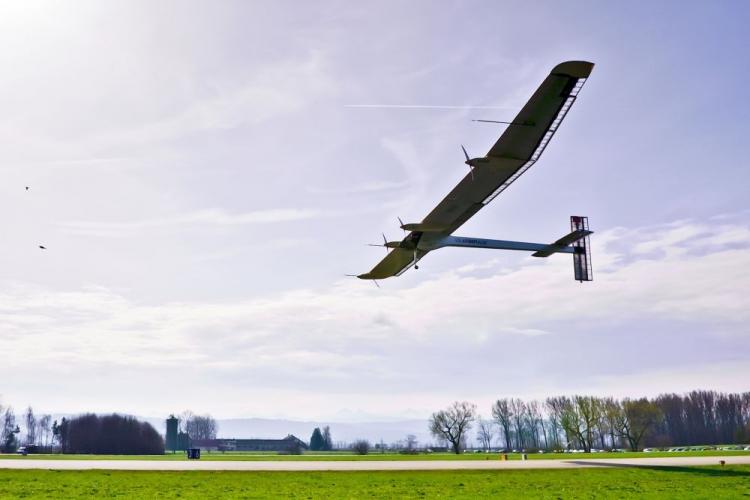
x: 518, y: 148
x: 396, y: 262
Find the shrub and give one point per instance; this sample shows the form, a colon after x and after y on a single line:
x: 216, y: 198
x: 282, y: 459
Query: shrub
x: 361, y: 447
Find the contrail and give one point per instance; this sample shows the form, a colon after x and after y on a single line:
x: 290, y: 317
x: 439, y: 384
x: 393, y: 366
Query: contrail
x: 420, y: 106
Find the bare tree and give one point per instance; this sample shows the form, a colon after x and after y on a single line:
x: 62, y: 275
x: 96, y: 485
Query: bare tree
x: 536, y: 422
x: 452, y: 423
x: 327, y: 439
x: 43, y: 430
x: 381, y: 446
x: 182, y: 420
x: 555, y: 407
x: 200, y: 426
x: 518, y: 410
x: 503, y: 416
x: 485, y: 433
x: 612, y: 414
x: 30, y: 422
x: 410, y: 443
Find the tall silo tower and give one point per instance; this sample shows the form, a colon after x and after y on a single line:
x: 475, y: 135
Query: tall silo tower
x: 172, y: 443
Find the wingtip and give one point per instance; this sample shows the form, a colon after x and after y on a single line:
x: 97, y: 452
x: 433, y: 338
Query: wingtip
x: 577, y: 69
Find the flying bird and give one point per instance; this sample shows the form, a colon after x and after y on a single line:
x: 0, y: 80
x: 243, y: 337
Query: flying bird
x: 42, y: 247
x: 27, y: 188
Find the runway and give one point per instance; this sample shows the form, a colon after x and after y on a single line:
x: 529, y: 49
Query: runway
x: 361, y: 465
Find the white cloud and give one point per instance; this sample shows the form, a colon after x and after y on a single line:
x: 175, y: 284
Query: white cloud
x: 275, y: 90
x: 364, y: 187
x: 213, y: 216
x: 352, y: 337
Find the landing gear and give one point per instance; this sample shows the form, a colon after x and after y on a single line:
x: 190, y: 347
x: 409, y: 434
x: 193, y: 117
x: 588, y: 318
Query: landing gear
x: 415, y: 259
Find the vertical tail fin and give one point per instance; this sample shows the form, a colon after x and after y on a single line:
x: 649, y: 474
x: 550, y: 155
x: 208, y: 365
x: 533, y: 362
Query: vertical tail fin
x: 582, y: 256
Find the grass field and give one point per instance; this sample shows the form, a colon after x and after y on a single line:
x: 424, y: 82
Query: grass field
x: 382, y: 456
x: 652, y: 482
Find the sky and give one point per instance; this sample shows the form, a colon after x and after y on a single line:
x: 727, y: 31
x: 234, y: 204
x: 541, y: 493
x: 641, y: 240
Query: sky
x: 205, y: 174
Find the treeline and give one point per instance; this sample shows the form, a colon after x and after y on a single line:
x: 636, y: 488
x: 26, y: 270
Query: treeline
x: 702, y: 417
x: 88, y: 433
x: 588, y: 422
x: 109, y: 435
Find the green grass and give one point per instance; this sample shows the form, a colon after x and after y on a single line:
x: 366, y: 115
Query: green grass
x: 339, y: 456
x: 616, y: 482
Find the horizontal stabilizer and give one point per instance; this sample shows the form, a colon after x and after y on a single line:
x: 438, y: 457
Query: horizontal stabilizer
x: 562, y: 243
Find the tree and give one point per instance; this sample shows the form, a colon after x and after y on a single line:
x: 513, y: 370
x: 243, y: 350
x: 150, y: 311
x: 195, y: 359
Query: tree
x: 43, y: 430
x: 555, y: 407
x: 578, y: 417
x: 485, y: 433
x: 60, y: 433
x: 503, y: 416
x: 453, y: 423
x: 110, y: 434
x: 589, y: 410
x: 200, y: 426
x: 30, y: 422
x: 56, y: 433
x: 637, y: 418
x: 316, y: 440
x: 293, y: 447
x: 381, y: 446
x: 612, y: 415
x: 535, y: 421
x: 518, y: 411
x: 411, y: 443
x: 327, y: 439
x: 361, y: 447
x: 8, y: 432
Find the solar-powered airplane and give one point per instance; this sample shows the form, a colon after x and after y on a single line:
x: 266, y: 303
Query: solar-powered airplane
x: 518, y: 148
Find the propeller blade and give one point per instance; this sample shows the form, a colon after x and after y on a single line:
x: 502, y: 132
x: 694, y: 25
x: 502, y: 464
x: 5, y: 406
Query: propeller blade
x: 382, y: 245
x: 471, y: 168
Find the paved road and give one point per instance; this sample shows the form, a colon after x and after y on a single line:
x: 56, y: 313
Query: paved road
x: 21, y: 463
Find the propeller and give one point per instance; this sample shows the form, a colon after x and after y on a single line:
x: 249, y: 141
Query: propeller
x: 468, y: 162
x: 385, y: 244
x: 401, y: 224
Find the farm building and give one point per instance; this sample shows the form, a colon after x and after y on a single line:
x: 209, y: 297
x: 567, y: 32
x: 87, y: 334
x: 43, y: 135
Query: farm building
x: 288, y: 443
